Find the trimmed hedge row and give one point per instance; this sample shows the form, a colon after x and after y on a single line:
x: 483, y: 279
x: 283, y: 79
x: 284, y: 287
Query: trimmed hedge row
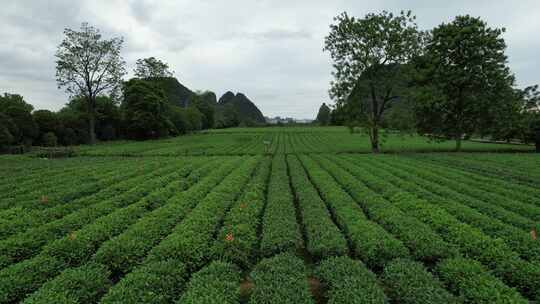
x: 25, y: 277
x: 192, y: 239
x: 238, y: 238
x: 469, y: 187
x: 81, y: 184
x: 510, y: 189
x: 471, y: 242
x: 323, y: 238
x: 23, y: 219
x: 424, y: 243
x: 517, y: 239
x: 218, y: 282
x: 280, y: 230
x: 520, y: 173
x: 78, y: 247
x: 472, y: 282
x: 27, y: 244
x: 349, y: 281
x: 85, y: 284
x: 437, y: 185
x: 51, y: 181
x: 127, y: 250
x: 159, y: 283
x: 408, y: 281
x: 374, y: 245
x: 280, y: 279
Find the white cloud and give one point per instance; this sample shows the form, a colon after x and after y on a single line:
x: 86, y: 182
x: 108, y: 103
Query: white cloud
x: 271, y: 50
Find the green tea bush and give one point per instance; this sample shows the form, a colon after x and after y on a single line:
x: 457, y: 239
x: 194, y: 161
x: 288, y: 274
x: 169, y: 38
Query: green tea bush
x: 280, y: 279
x: 349, y: 281
x: 157, y: 283
x: 218, y: 282
x: 407, y: 281
x: 471, y: 281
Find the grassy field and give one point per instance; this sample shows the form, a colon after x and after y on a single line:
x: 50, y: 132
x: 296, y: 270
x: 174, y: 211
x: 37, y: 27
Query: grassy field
x: 242, y: 141
x: 218, y: 218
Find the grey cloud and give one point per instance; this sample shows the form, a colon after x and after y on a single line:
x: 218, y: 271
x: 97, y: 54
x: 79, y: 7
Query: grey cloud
x: 271, y: 50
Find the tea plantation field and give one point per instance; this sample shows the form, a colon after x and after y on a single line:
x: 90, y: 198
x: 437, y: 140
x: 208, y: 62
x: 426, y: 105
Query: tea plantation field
x: 271, y: 216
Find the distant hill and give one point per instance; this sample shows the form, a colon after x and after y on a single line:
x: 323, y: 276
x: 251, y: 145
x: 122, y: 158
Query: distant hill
x: 177, y: 94
x: 234, y: 109
x: 246, y: 109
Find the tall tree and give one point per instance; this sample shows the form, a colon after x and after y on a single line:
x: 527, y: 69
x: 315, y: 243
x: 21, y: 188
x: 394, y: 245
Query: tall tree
x: 323, y: 117
x: 151, y: 68
x: 144, y: 107
x: 366, y: 48
x: 23, y: 128
x: 88, y: 65
x: 463, y: 79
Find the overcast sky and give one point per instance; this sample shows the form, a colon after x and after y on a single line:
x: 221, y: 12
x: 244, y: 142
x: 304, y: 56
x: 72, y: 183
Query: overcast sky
x: 271, y: 50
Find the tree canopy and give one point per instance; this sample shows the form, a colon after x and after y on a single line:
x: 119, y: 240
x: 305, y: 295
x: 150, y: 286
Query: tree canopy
x: 463, y: 79
x: 366, y: 52
x: 323, y: 116
x: 151, y: 68
x: 88, y: 65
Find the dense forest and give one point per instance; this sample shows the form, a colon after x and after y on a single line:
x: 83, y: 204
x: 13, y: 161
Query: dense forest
x: 152, y: 105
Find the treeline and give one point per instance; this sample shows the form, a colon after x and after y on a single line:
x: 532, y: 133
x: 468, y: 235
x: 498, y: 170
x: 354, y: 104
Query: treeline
x: 450, y: 82
x: 143, y: 111
x: 103, y: 106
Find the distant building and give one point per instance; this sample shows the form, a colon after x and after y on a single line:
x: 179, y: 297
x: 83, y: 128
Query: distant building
x: 286, y: 120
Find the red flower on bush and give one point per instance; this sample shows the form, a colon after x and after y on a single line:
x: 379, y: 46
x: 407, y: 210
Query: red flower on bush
x: 229, y: 237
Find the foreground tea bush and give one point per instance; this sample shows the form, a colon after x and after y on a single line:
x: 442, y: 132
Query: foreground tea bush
x: 324, y: 239
x: 407, y: 281
x: 127, y: 250
x: 280, y: 279
x: 159, y: 282
x: 281, y: 232
x: 237, y: 240
x: 424, y: 243
x: 192, y: 239
x: 349, y: 281
x: 218, y: 282
x: 374, y: 245
x: 469, y: 279
x: 85, y: 284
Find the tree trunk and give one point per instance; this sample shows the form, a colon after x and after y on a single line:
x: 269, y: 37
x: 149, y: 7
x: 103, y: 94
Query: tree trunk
x: 458, y: 143
x: 375, y: 139
x: 537, y: 140
x: 92, y: 129
x: 91, y: 120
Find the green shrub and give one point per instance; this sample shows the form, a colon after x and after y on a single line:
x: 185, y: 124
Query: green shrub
x: 324, y: 239
x: 237, y: 240
x: 280, y: 228
x: 191, y: 241
x: 349, y: 281
x: 17, y: 280
x: 370, y: 242
x: 280, y: 279
x: 218, y: 282
x: 469, y: 279
x: 156, y: 283
x: 85, y: 284
x: 49, y: 139
x: 130, y: 248
x: 407, y: 281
